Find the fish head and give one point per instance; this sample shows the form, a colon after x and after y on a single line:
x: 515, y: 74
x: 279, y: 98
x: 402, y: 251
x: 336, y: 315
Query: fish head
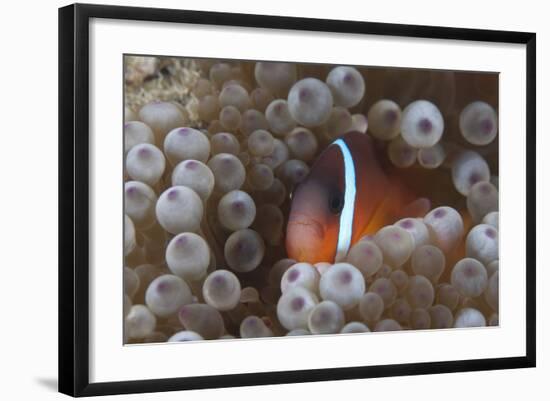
x: 317, y: 202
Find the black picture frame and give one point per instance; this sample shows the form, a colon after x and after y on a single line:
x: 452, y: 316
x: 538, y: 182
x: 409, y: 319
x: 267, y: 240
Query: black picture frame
x: 74, y: 198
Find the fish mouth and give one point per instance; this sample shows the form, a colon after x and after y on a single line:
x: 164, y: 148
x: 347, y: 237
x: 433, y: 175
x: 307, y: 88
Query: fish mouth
x: 316, y: 228
x: 304, y: 239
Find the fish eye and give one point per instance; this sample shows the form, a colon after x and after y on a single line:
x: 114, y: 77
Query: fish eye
x: 336, y: 202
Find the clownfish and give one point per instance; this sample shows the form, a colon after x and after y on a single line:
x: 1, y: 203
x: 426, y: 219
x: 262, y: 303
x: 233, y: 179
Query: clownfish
x: 346, y: 196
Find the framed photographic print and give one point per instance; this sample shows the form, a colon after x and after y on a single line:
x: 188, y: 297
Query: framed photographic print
x: 250, y: 199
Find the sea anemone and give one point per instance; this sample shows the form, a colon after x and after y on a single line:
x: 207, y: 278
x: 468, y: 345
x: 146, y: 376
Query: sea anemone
x: 161, y: 117
x: 166, y: 294
x: 310, y: 102
x: 469, y: 317
x: 131, y: 282
x: 355, y: 327
x: 139, y: 322
x: 222, y: 290
x: 145, y: 163
x: 186, y: 143
x: 396, y: 244
x: 468, y: 169
x: 387, y: 325
x: 302, y: 144
x: 326, y: 318
x: 478, y: 123
x: 422, y: 124
x: 294, y: 307
x: 420, y: 292
x: 371, y: 307
x: 195, y: 175
x: 136, y: 132
x: 179, y: 209
x: 384, y: 118
x: 301, y: 275
x: 365, y: 256
x: 400, y: 153
x: 482, y: 199
x: 253, y: 326
x: 441, y: 317
x: 420, y: 319
x: 202, y: 319
x: 429, y: 262
x: 347, y: 86
x: 344, y: 284
x: 482, y: 243
x: 185, y: 335
x: 277, y: 78
x: 359, y: 123
x: 446, y: 227
x: 469, y: 277
x: 431, y: 157
x: 224, y: 142
x: 188, y: 256
x: 229, y: 172
x: 386, y: 289
x: 236, y: 210
x: 139, y: 204
x: 244, y: 250
x: 278, y: 117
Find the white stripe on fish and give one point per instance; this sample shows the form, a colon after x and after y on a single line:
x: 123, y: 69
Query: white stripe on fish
x: 346, y: 216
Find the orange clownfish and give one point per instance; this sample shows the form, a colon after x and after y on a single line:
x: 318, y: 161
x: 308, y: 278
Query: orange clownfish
x: 346, y: 196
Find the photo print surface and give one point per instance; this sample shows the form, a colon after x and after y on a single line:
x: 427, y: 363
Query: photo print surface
x: 267, y: 199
